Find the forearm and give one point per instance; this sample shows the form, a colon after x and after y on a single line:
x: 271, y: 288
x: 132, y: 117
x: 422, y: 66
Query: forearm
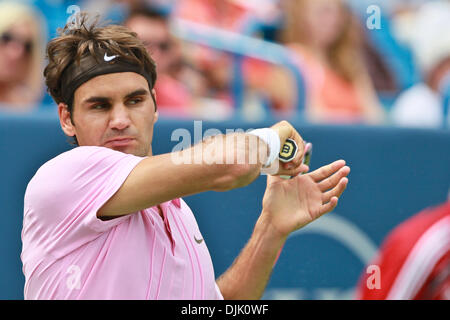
x: 212, y: 165
x: 247, y: 278
x: 236, y: 159
x: 288, y: 205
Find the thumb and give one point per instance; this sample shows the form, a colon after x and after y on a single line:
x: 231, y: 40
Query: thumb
x: 274, y: 179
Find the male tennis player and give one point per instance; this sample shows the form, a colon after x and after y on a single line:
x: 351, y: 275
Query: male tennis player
x: 106, y: 219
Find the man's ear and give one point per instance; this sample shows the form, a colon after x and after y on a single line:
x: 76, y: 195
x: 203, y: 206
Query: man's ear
x: 155, y: 118
x: 65, y: 120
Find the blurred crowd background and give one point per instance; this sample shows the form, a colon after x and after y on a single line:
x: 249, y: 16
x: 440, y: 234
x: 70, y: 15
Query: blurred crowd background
x: 324, y: 61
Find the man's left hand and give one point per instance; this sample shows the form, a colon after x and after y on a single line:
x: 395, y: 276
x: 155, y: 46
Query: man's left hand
x: 288, y: 205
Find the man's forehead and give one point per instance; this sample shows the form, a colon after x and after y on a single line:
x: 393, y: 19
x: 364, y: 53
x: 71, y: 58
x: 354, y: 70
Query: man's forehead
x: 112, y: 85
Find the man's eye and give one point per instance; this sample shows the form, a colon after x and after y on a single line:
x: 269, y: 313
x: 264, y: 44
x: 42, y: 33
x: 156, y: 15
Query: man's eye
x: 98, y: 106
x: 135, y: 101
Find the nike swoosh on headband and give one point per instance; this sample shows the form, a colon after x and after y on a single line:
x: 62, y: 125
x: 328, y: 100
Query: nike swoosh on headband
x: 108, y: 58
x: 91, y: 66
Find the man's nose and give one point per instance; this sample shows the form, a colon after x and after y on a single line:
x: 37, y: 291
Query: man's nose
x: 120, y: 117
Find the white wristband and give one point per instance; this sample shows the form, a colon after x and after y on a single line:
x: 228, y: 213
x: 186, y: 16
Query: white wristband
x: 271, y: 138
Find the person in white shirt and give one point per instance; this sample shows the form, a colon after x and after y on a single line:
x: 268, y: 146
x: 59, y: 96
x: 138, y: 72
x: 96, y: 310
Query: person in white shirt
x: 422, y: 105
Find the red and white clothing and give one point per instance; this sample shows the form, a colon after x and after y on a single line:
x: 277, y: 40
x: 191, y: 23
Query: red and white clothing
x: 414, y: 261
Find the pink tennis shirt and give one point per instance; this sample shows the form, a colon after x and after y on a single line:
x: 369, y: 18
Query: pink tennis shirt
x: 68, y: 253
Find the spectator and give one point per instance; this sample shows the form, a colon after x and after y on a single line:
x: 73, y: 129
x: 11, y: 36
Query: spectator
x: 228, y: 14
x: 21, y: 57
x: 217, y: 67
x: 414, y: 261
x: 422, y: 105
x: 152, y: 27
x: 382, y: 77
x: 185, y: 87
x: 328, y: 40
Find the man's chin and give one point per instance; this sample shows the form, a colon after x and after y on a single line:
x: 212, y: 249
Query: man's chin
x: 126, y: 149
x: 136, y: 151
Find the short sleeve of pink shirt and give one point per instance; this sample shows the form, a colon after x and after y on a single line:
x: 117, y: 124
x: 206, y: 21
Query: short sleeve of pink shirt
x: 69, y: 253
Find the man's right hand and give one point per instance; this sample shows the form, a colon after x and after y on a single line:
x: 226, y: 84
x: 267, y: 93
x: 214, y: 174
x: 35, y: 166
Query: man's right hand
x: 286, y: 131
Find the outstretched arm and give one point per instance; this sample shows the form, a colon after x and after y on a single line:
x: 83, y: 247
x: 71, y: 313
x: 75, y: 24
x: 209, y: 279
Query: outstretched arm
x: 219, y: 163
x: 288, y: 205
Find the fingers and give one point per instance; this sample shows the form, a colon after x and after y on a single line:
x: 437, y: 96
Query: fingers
x: 298, y: 159
x: 328, y: 207
x: 326, y: 171
x: 293, y: 172
x: 286, y: 131
x: 331, y: 182
x: 330, y: 198
x: 335, y: 192
x: 301, y: 147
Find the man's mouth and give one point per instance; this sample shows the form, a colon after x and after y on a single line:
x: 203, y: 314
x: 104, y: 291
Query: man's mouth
x: 119, y: 142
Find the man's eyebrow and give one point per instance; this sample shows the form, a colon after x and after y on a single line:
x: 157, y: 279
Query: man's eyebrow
x: 96, y: 99
x: 138, y: 92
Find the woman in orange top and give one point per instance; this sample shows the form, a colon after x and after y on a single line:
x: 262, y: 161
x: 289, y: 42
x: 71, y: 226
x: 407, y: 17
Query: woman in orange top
x: 326, y: 37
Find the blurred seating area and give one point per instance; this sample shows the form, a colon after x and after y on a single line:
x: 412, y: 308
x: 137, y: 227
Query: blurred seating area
x: 322, y: 61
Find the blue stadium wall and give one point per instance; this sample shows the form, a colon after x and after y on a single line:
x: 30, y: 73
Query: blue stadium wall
x: 395, y: 174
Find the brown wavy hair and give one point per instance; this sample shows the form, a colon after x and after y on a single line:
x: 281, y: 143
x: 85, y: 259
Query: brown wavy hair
x: 83, y: 36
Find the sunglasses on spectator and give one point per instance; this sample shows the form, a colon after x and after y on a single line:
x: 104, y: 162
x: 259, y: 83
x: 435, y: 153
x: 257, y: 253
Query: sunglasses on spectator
x: 162, y: 45
x: 8, y: 37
